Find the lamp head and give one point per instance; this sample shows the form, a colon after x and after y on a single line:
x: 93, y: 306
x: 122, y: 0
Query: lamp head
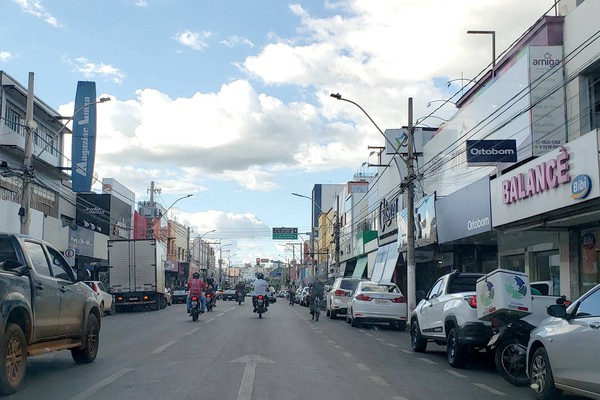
x: 336, y: 96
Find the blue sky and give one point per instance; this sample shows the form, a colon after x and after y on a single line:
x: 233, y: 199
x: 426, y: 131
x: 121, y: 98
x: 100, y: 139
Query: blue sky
x: 229, y: 100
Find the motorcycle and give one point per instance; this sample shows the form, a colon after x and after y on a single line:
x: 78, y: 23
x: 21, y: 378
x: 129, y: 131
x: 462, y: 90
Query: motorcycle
x: 210, y: 301
x: 239, y: 296
x: 195, y: 310
x: 261, y: 305
x: 510, y: 339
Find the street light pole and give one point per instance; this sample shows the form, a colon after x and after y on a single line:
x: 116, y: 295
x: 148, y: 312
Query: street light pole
x: 150, y: 233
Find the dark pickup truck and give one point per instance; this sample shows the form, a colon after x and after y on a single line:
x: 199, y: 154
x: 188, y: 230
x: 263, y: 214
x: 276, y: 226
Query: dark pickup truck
x: 44, y: 307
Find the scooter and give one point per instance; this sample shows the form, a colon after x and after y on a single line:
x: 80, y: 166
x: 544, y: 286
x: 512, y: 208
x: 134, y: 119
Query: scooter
x: 510, y: 339
x: 209, y: 302
x: 261, y: 305
x: 195, y: 310
x: 239, y: 296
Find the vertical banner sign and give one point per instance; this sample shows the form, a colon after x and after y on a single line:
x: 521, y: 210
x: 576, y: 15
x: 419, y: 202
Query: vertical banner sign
x: 83, y: 146
x: 547, y: 98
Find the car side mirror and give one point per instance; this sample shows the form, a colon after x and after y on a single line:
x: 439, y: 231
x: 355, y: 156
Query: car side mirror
x: 10, y: 265
x: 557, y: 310
x: 83, y: 275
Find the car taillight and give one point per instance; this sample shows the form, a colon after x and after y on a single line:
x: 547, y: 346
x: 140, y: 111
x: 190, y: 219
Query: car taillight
x: 363, y: 297
x: 472, y: 300
x: 400, y: 299
x: 194, y: 298
x: 339, y: 292
x: 96, y: 290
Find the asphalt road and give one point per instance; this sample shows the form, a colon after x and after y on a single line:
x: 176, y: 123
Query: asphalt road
x: 232, y: 354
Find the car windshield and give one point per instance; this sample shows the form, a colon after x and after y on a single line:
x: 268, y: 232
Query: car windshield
x: 348, y: 284
x: 464, y: 283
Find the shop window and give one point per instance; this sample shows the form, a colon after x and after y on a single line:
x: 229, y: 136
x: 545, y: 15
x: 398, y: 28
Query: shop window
x: 514, y: 262
x: 546, y: 267
x: 590, y: 258
x: 594, y: 93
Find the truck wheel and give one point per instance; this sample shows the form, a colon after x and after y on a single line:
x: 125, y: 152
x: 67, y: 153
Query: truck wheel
x: 456, y: 352
x: 13, y: 359
x: 91, y: 339
x: 417, y: 341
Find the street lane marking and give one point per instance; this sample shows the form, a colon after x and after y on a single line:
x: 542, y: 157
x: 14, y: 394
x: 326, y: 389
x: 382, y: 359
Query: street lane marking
x: 489, y: 389
x: 193, y: 331
x: 379, y: 380
x: 105, y: 382
x: 428, y: 361
x: 163, y: 347
x: 347, y: 354
x: 380, y: 339
x: 368, y: 334
x: 362, y: 366
x: 250, y: 361
x: 399, y: 398
x: 337, y: 346
x: 455, y: 373
x: 220, y: 315
x: 391, y: 345
x: 406, y: 351
x: 331, y: 341
x: 209, y: 320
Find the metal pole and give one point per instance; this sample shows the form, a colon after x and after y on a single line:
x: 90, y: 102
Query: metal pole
x: 410, y: 216
x: 25, y: 210
x: 336, y: 236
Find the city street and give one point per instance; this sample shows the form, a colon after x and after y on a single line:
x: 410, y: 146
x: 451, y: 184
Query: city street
x: 232, y: 354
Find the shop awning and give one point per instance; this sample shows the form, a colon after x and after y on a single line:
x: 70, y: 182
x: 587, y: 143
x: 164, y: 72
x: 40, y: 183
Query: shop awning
x: 390, y: 265
x: 359, y: 269
x: 380, y: 260
x: 371, y: 257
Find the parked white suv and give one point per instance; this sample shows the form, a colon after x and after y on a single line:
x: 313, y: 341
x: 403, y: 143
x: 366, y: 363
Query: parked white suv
x: 337, y: 297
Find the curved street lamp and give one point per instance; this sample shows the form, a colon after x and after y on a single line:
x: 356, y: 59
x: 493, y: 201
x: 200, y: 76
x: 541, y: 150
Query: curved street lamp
x: 151, y: 227
x: 409, y: 185
x: 69, y: 119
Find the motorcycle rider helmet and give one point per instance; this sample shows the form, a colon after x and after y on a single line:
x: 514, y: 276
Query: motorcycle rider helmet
x: 196, y: 275
x: 260, y: 275
x: 210, y: 280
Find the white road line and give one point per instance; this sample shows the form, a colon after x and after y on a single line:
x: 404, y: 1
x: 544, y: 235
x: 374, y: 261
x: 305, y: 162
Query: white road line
x: 379, y: 380
x: 455, y: 373
x: 193, y: 331
x: 164, y: 346
x: 347, y: 354
x: 368, y: 334
x: 209, y: 320
x: 380, y: 339
x: 489, y: 389
x: 220, y: 315
x: 428, y: 361
x: 406, y: 351
x: 399, y: 398
x: 337, y: 346
x: 392, y: 345
x: 362, y: 366
x: 331, y: 341
x: 362, y: 331
x: 105, y: 382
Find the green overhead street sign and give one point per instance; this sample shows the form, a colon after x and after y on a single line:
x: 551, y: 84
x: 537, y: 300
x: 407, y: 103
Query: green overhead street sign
x: 285, y: 233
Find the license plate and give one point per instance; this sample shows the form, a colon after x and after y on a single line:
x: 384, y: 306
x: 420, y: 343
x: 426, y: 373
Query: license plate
x: 133, y: 299
x: 379, y: 301
x: 194, y: 303
x: 260, y: 303
x: 494, y: 339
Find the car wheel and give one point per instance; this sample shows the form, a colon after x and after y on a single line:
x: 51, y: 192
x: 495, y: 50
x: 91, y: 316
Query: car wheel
x: 417, y: 341
x: 327, y: 312
x: 113, y: 308
x: 13, y: 359
x: 456, y: 351
x: 333, y: 314
x: 542, y: 380
x: 102, y: 308
x: 348, y: 320
x: 91, y: 339
x: 354, y: 322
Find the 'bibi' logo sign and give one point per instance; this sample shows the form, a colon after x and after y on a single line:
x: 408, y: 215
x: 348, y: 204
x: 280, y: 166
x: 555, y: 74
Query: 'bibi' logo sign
x: 543, y: 177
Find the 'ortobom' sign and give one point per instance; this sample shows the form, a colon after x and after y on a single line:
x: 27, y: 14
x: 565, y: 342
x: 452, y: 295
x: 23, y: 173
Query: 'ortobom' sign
x: 491, y: 151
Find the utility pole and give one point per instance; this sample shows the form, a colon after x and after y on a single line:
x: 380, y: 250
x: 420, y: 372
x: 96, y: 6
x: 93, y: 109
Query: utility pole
x: 410, y: 215
x: 336, y: 237
x: 25, y: 210
x: 151, y: 219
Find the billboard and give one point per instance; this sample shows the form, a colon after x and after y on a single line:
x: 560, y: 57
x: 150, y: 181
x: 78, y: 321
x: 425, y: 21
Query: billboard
x: 93, y: 212
x: 83, y: 145
x: 489, y: 152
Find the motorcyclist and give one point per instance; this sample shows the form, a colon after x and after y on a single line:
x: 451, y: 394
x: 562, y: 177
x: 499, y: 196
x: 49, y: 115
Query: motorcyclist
x: 196, y: 287
x: 316, y: 289
x: 261, y: 287
x: 240, y: 287
x: 210, y: 288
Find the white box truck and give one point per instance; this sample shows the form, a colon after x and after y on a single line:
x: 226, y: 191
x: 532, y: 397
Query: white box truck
x: 137, y: 274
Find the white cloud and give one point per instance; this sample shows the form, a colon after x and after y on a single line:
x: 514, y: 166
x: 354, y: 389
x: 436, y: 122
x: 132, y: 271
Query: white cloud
x: 92, y: 70
x: 5, y: 56
x: 35, y: 8
x: 233, y: 41
x: 195, y: 40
